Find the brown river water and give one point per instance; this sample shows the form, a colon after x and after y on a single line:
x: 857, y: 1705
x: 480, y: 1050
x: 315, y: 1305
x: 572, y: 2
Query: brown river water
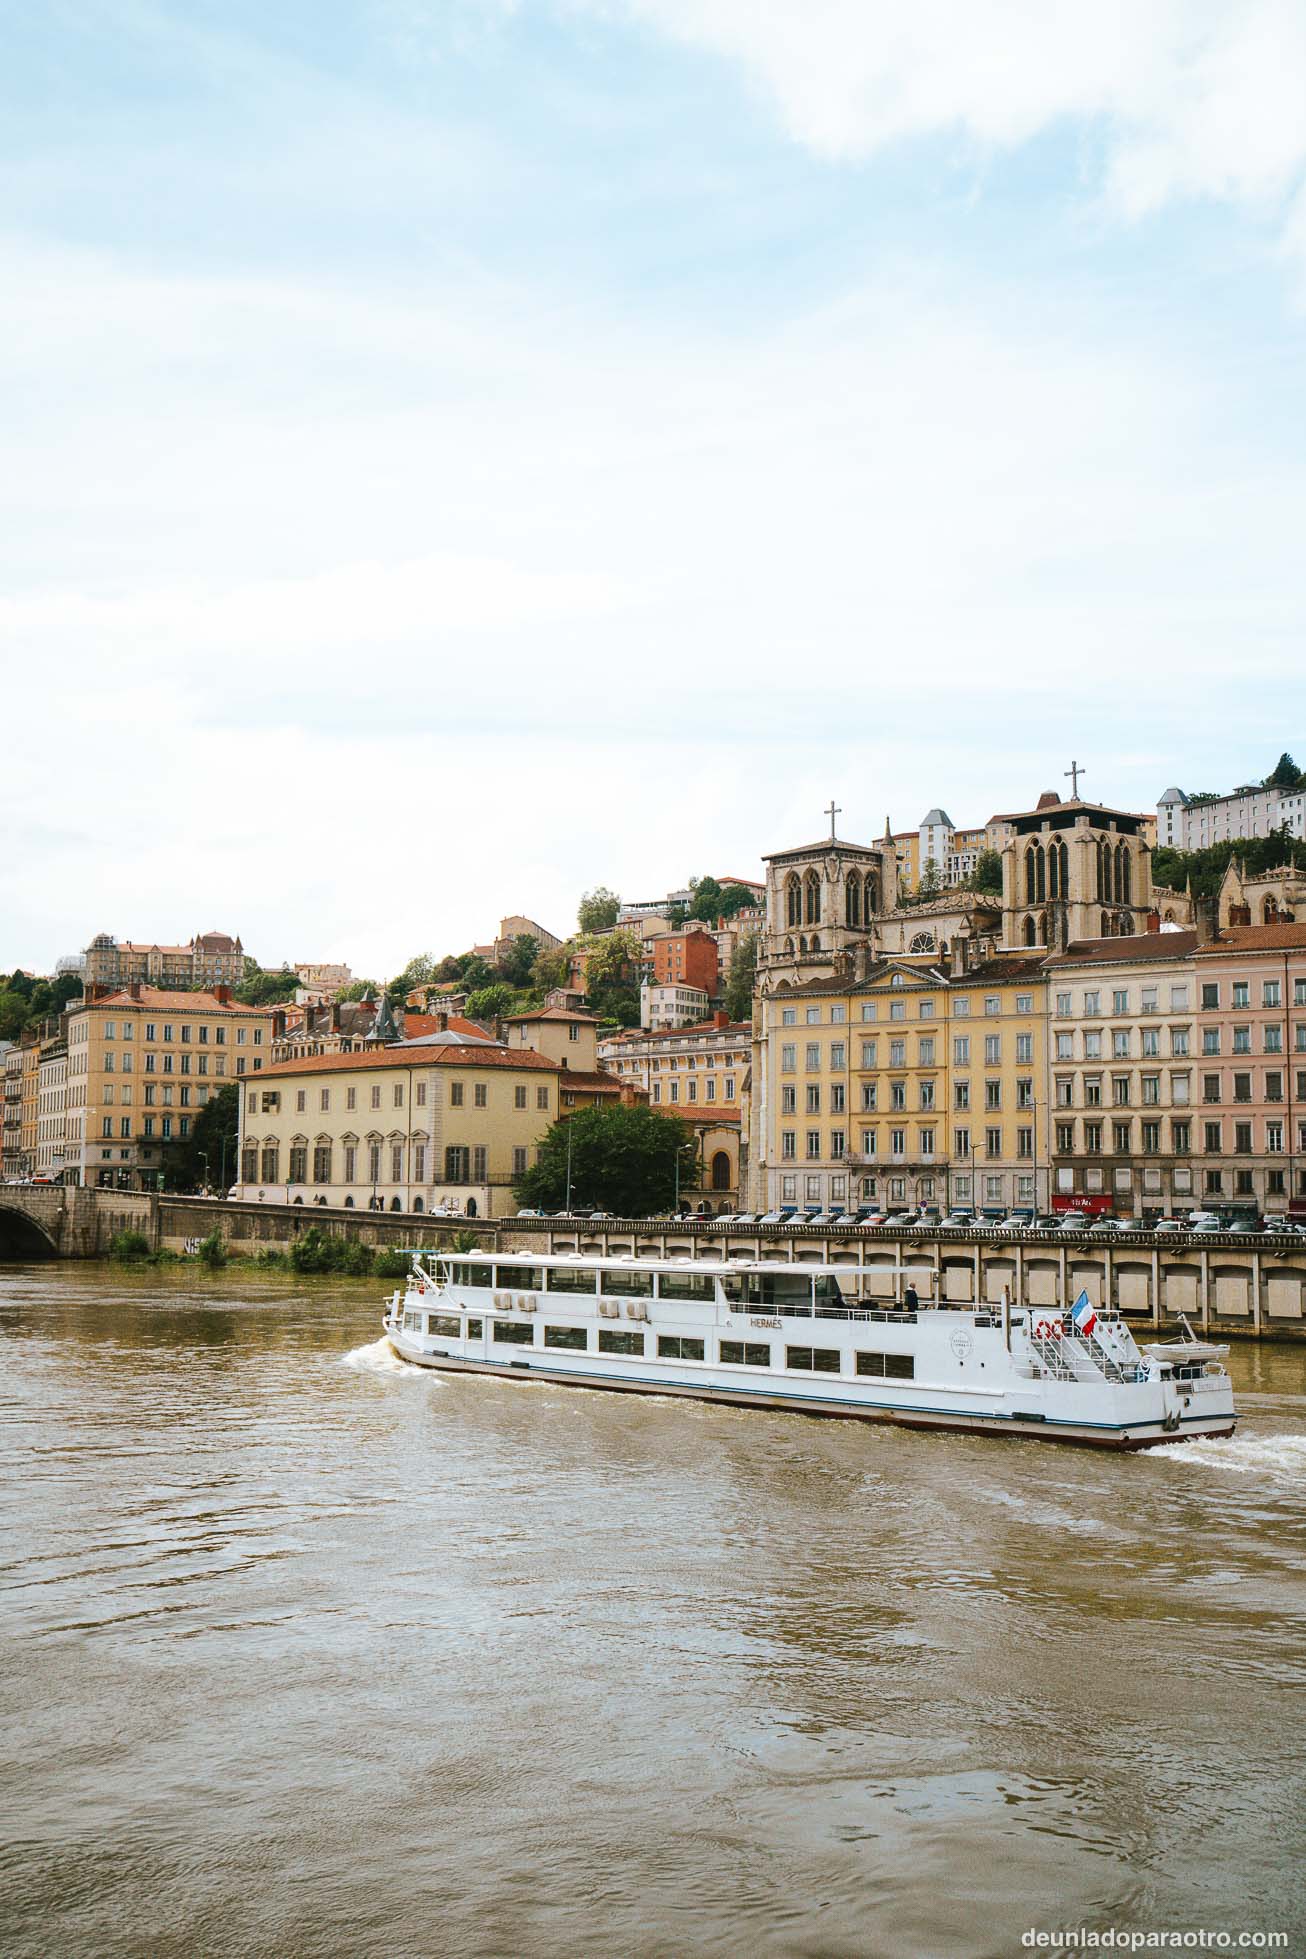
x: 307, y: 1653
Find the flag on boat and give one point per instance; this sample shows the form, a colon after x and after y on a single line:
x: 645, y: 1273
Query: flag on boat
x: 1084, y: 1314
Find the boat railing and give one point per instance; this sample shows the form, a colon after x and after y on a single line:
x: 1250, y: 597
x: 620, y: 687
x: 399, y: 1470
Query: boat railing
x: 890, y: 1315
x: 1072, y: 1357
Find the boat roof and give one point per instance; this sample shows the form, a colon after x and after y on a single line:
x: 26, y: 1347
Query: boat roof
x: 714, y: 1267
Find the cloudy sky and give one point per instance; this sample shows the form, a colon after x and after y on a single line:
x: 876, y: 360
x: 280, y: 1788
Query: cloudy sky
x: 457, y: 452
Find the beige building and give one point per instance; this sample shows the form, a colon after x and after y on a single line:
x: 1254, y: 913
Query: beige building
x: 685, y: 1068
x: 210, y: 959
x: 322, y: 977
x: 426, y: 1125
x: 1074, y: 871
x: 142, y: 1062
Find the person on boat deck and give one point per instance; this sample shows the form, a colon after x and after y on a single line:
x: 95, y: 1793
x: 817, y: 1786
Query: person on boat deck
x: 910, y: 1301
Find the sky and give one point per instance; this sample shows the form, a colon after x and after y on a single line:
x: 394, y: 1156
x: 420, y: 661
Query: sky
x: 457, y: 454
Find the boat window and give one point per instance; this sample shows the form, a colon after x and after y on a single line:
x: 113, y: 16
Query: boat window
x: 672, y: 1347
x: 630, y: 1285
x: 814, y: 1360
x: 686, y: 1285
x: 566, y: 1336
x: 745, y: 1353
x: 471, y: 1275
x: 514, y: 1332
x: 887, y: 1367
x: 444, y: 1323
x: 613, y: 1342
x: 789, y: 1292
x: 474, y: 1329
x: 520, y: 1278
x: 570, y: 1278
x: 826, y: 1288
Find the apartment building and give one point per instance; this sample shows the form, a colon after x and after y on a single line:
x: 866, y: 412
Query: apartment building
x: 1186, y: 822
x: 142, y: 1062
x: 705, y: 1064
x: 917, y: 1085
x: 52, y: 1109
x: 1250, y: 1062
x: 1123, y: 1061
x: 688, y: 957
x: 421, y: 1126
x: 662, y: 1007
x: 11, y: 1089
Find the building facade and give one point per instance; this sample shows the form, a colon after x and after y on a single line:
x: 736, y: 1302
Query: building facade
x: 688, y: 957
x: 142, y: 1062
x: 11, y: 1061
x: 418, y: 1127
x: 1251, y: 1062
x: 1074, y: 871
x: 915, y: 1085
x: 210, y: 959
x: 52, y: 1110
x: 1186, y: 822
x: 662, y: 1007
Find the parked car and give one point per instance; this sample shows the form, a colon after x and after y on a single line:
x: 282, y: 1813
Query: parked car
x: 773, y: 1217
x: 1168, y: 1226
x: 1204, y: 1217
x: 1204, y: 1227
x: 528, y: 1213
x: 958, y: 1221
x: 899, y: 1220
x: 1245, y: 1227
x: 1073, y: 1221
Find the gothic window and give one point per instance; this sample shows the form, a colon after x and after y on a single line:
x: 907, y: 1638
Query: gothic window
x: 789, y: 946
x: 793, y: 900
x: 853, y: 900
x: 1057, y: 868
x: 872, y: 899
x: 1030, y: 930
x: 812, y: 899
x: 1042, y: 928
x: 720, y: 1171
x: 816, y: 943
x: 1035, y: 875
x: 1269, y: 911
x: 1106, y: 925
x: 802, y: 944
x: 1103, y: 875
x: 923, y: 942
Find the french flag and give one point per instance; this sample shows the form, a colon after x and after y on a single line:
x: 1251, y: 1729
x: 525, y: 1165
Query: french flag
x: 1084, y: 1314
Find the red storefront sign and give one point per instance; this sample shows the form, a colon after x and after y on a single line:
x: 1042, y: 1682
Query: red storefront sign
x: 1093, y: 1207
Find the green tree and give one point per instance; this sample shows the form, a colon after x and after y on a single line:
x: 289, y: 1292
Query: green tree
x: 213, y: 1136
x: 360, y: 989
x: 736, y: 898
x: 739, y: 982
x: 551, y: 969
x: 419, y: 971
x: 476, y: 971
x: 623, y: 1160
x: 1285, y: 774
x: 987, y: 874
x: 706, y: 901
x: 13, y: 1014
x: 273, y: 988
x: 614, y: 956
x: 598, y: 909
x: 519, y: 960
x: 489, y: 1001
x: 931, y: 880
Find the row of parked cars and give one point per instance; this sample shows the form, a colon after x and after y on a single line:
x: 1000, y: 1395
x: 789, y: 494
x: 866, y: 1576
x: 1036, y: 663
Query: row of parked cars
x: 1193, y: 1223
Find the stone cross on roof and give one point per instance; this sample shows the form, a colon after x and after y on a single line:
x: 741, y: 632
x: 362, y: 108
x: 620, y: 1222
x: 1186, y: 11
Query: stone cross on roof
x: 1075, y: 770
x: 834, y: 810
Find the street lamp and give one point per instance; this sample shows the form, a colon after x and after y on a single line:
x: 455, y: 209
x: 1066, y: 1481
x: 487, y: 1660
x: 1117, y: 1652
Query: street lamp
x: 205, y: 1161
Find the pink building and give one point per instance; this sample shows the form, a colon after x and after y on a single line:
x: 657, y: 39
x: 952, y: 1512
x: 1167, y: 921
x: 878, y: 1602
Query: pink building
x: 1250, y: 1062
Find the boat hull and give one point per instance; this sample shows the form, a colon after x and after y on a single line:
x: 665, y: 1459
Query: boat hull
x: 1130, y: 1436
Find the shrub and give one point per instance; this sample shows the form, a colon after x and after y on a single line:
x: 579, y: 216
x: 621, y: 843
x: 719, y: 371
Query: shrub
x: 129, y: 1245
x: 271, y: 1256
x: 212, y: 1251
x: 390, y: 1265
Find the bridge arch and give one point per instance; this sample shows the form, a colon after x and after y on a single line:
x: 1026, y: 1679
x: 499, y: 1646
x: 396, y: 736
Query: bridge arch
x: 22, y: 1237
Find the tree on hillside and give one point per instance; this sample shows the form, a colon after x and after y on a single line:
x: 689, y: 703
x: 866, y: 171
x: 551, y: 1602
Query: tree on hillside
x: 487, y: 1002
x: 13, y: 1013
x: 739, y: 982
x: 1172, y: 869
x: 267, y: 989
x: 987, y: 874
x: 519, y: 959
x: 419, y: 971
x: 931, y: 880
x: 623, y: 1160
x: 550, y: 969
x: 213, y: 1135
x: 359, y: 989
x: 705, y: 904
x: 598, y: 909
x: 1285, y: 774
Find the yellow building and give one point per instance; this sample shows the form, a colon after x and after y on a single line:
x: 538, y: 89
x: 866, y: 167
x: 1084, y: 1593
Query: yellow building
x: 919, y: 1084
x: 432, y: 1124
x: 142, y: 1063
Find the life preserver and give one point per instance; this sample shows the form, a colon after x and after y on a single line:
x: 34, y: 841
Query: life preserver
x: 1048, y: 1330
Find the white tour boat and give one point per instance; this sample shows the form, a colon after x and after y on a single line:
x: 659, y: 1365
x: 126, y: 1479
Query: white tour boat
x: 770, y: 1334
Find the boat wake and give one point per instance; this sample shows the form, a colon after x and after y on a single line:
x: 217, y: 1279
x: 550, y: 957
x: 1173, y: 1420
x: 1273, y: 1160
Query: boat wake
x: 1278, y: 1458
x: 379, y: 1358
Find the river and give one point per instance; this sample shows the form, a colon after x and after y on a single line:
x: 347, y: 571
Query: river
x: 307, y: 1653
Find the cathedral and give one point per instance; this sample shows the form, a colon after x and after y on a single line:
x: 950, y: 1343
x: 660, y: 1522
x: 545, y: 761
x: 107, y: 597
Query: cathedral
x: 1070, y: 871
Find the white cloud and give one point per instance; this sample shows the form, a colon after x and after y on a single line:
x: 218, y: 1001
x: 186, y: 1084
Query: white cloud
x: 1193, y: 97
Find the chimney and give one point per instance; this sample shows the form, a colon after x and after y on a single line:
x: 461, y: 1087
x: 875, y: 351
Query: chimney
x: 1153, y: 922
x: 1205, y: 920
x: 442, y: 1023
x: 862, y: 959
x: 134, y: 989
x: 335, y: 1016
x: 720, y: 1020
x: 278, y: 1023
x: 222, y: 994
x: 958, y: 950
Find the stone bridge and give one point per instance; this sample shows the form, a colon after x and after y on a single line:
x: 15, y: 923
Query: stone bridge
x: 65, y: 1221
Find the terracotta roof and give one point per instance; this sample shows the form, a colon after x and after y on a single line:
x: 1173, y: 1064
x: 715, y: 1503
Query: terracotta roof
x: 676, y: 1033
x: 551, y: 1013
x: 159, y: 999
x: 399, y: 1057
x: 1140, y: 945
x: 724, y: 1114
x: 594, y: 1083
x: 1018, y: 966
x: 1258, y: 938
